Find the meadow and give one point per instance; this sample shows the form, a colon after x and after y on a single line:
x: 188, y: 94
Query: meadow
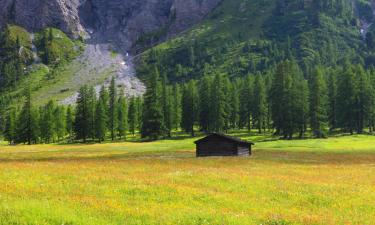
x: 329, y: 181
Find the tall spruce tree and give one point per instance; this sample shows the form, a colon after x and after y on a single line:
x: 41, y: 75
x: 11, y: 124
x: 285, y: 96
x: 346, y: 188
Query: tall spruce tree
x: 113, y: 117
x: 82, y: 118
x: 47, y: 122
x: 364, y: 102
x: 60, y: 122
x: 318, y: 103
x: 152, y: 116
x: 190, y: 109
x: 100, y: 121
x: 10, y: 126
x: 122, y: 114
x: 260, y: 104
x: 91, y: 106
x: 288, y: 100
x: 217, y: 117
x: 176, y: 107
x: 27, y: 122
x: 205, y: 103
x: 133, y: 116
x: 346, y: 99
x: 234, y: 106
x: 167, y: 106
x: 69, y: 122
x: 332, y: 100
x: 246, y: 98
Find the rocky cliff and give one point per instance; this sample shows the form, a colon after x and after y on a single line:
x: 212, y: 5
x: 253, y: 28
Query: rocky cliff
x: 117, y: 21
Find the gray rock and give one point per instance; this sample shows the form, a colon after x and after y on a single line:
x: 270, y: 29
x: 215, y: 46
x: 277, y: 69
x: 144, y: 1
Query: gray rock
x: 121, y: 22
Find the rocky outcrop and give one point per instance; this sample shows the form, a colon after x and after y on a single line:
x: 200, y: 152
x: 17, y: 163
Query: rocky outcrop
x: 119, y: 21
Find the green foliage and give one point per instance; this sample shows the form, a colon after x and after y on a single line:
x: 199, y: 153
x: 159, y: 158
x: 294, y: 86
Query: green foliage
x: 318, y: 102
x: 152, y: 116
x: 189, y: 107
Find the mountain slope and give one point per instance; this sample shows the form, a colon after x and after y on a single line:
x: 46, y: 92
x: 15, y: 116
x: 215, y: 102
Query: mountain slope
x: 241, y: 37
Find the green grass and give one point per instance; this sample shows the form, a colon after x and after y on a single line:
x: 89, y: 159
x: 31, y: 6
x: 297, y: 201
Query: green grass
x: 328, y: 181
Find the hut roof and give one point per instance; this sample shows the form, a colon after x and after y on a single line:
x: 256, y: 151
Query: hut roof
x: 226, y: 137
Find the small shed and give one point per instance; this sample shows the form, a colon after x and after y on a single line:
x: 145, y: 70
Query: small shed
x: 222, y: 145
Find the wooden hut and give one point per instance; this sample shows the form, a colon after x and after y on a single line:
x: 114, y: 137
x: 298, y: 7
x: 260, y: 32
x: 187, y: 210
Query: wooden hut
x: 222, y: 145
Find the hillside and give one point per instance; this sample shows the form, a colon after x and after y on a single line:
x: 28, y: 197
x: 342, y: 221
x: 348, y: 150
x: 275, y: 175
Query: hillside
x: 241, y: 37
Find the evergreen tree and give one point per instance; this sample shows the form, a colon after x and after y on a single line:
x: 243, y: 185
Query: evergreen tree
x: 364, y: 102
x: 122, y: 114
x: 104, y: 97
x: 189, y: 107
x: 152, y: 116
x: 27, y: 122
x: 234, y: 106
x: 82, y: 118
x: 288, y: 100
x: 100, y: 121
x: 113, y: 117
x: 205, y: 103
x: 47, y: 122
x: 167, y: 106
x: 91, y: 107
x: 133, y: 115
x: 260, y: 105
x: 60, y: 122
x: 217, y: 116
x: 176, y: 107
x: 246, y: 98
x: 346, y: 100
x: 69, y: 122
x: 10, y: 127
x: 332, y: 101
x: 318, y: 103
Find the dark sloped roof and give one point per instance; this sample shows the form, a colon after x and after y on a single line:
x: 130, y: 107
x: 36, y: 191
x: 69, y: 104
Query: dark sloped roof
x: 226, y: 137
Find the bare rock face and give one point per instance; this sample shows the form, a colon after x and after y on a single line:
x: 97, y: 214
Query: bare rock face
x: 122, y: 22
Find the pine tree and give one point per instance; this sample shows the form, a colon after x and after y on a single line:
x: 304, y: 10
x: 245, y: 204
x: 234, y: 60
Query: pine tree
x: 167, y: 106
x: 318, y: 103
x: 82, y: 118
x: 176, y: 107
x: 91, y: 106
x: 27, y: 122
x: 260, y: 105
x: 346, y: 100
x: 234, y: 106
x: 332, y: 101
x: 113, y: 118
x: 104, y: 97
x: 60, y: 122
x: 288, y: 100
x: 10, y: 127
x: 69, y: 122
x: 190, y: 109
x: 205, y: 103
x: 122, y: 114
x: 47, y: 122
x: 152, y: 116
x: 246, y: 99
x: 217, y: 116
x: 133, y: 115
x: 100, y: 121
x: 364, y: 102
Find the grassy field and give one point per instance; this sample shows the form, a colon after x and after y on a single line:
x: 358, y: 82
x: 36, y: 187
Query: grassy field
x: 328, y: 181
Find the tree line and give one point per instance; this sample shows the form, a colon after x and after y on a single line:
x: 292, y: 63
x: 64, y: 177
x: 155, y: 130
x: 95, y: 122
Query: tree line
x: 285, y: 102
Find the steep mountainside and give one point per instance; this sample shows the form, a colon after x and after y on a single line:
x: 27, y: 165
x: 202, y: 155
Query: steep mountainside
x: 119, y: 21
x: 241, y: 37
